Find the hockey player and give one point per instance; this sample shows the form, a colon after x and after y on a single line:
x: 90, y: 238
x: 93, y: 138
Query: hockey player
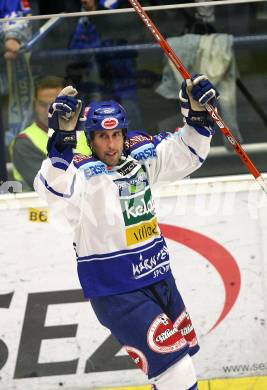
x: 123, y: 261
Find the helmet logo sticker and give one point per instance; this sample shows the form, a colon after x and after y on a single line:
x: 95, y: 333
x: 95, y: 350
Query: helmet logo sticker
x: 108, y: 110
x: 109, y: 123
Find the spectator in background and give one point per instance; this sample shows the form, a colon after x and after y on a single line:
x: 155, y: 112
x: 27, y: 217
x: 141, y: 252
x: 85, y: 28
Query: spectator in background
x: 28, y: 150
x: 203, y: 50
x: 116, y: 69
x: 15, y: 75
x: 14, y: 33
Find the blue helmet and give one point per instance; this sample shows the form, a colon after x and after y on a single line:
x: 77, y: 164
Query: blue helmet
x: 107, y: 115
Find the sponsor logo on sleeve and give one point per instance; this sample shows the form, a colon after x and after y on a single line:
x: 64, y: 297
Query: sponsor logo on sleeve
x: 144, y: 153
x: 78, y: 158
x: 94, y: 169
x: 164, y: 337
x: 138, y: 139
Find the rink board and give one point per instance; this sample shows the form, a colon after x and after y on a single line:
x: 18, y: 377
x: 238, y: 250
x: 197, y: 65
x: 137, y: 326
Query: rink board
x: 256, y: 383
x: 216, y: 231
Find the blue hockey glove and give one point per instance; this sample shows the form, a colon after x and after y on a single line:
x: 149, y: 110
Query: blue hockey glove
x: 64, y: 119
x: 193, y: 96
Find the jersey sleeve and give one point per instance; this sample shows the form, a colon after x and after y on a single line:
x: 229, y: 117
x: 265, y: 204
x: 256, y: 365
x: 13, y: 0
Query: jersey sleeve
x: 172, y: 156
x: 58, y: 180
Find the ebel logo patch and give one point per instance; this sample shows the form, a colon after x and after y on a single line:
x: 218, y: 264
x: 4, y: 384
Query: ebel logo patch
x: 109, y: 123
x: 165, y: 337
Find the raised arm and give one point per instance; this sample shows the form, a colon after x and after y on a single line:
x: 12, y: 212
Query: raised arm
x: 179, y: 154
x: 57, y: 178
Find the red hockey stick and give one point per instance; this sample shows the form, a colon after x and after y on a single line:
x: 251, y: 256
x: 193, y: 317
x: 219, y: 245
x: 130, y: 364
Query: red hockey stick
x: 185, y: 74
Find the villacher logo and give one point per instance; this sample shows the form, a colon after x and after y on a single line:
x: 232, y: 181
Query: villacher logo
x: 164, y: 337
x: 109, y: 123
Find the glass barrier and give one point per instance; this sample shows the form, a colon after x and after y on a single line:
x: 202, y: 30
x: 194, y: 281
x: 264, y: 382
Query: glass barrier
x: 113, y: 56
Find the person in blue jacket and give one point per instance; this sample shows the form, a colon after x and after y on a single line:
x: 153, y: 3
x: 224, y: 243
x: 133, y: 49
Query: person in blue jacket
x: 14, y: 33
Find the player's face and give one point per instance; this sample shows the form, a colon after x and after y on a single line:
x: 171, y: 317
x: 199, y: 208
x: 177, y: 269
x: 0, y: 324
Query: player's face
x: 89, y: 5
x: 108, y: 145
x: 43, y: 99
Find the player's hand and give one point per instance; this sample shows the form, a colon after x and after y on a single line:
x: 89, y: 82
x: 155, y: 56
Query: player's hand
x: 66, y: 111
x: 193, y: 96
x: 65, y: 117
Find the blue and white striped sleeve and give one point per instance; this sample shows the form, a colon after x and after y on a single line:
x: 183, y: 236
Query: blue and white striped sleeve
x: 55, y: 185
x: 179, y: 154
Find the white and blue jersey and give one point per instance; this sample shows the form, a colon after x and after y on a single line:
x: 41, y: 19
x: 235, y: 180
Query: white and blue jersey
x: 117, y: 239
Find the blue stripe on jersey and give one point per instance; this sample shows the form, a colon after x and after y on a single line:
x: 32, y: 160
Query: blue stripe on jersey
x: 202, y: 130
x: 59, y: 160
x: 126, y: 252
x: 192, y: 150
x: 49, y: 188
x: 124, y: 271
x: 157, y: 139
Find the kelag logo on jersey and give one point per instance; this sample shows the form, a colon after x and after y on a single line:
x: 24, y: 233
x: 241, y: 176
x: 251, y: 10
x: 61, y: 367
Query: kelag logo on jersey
x: 138, y: 208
